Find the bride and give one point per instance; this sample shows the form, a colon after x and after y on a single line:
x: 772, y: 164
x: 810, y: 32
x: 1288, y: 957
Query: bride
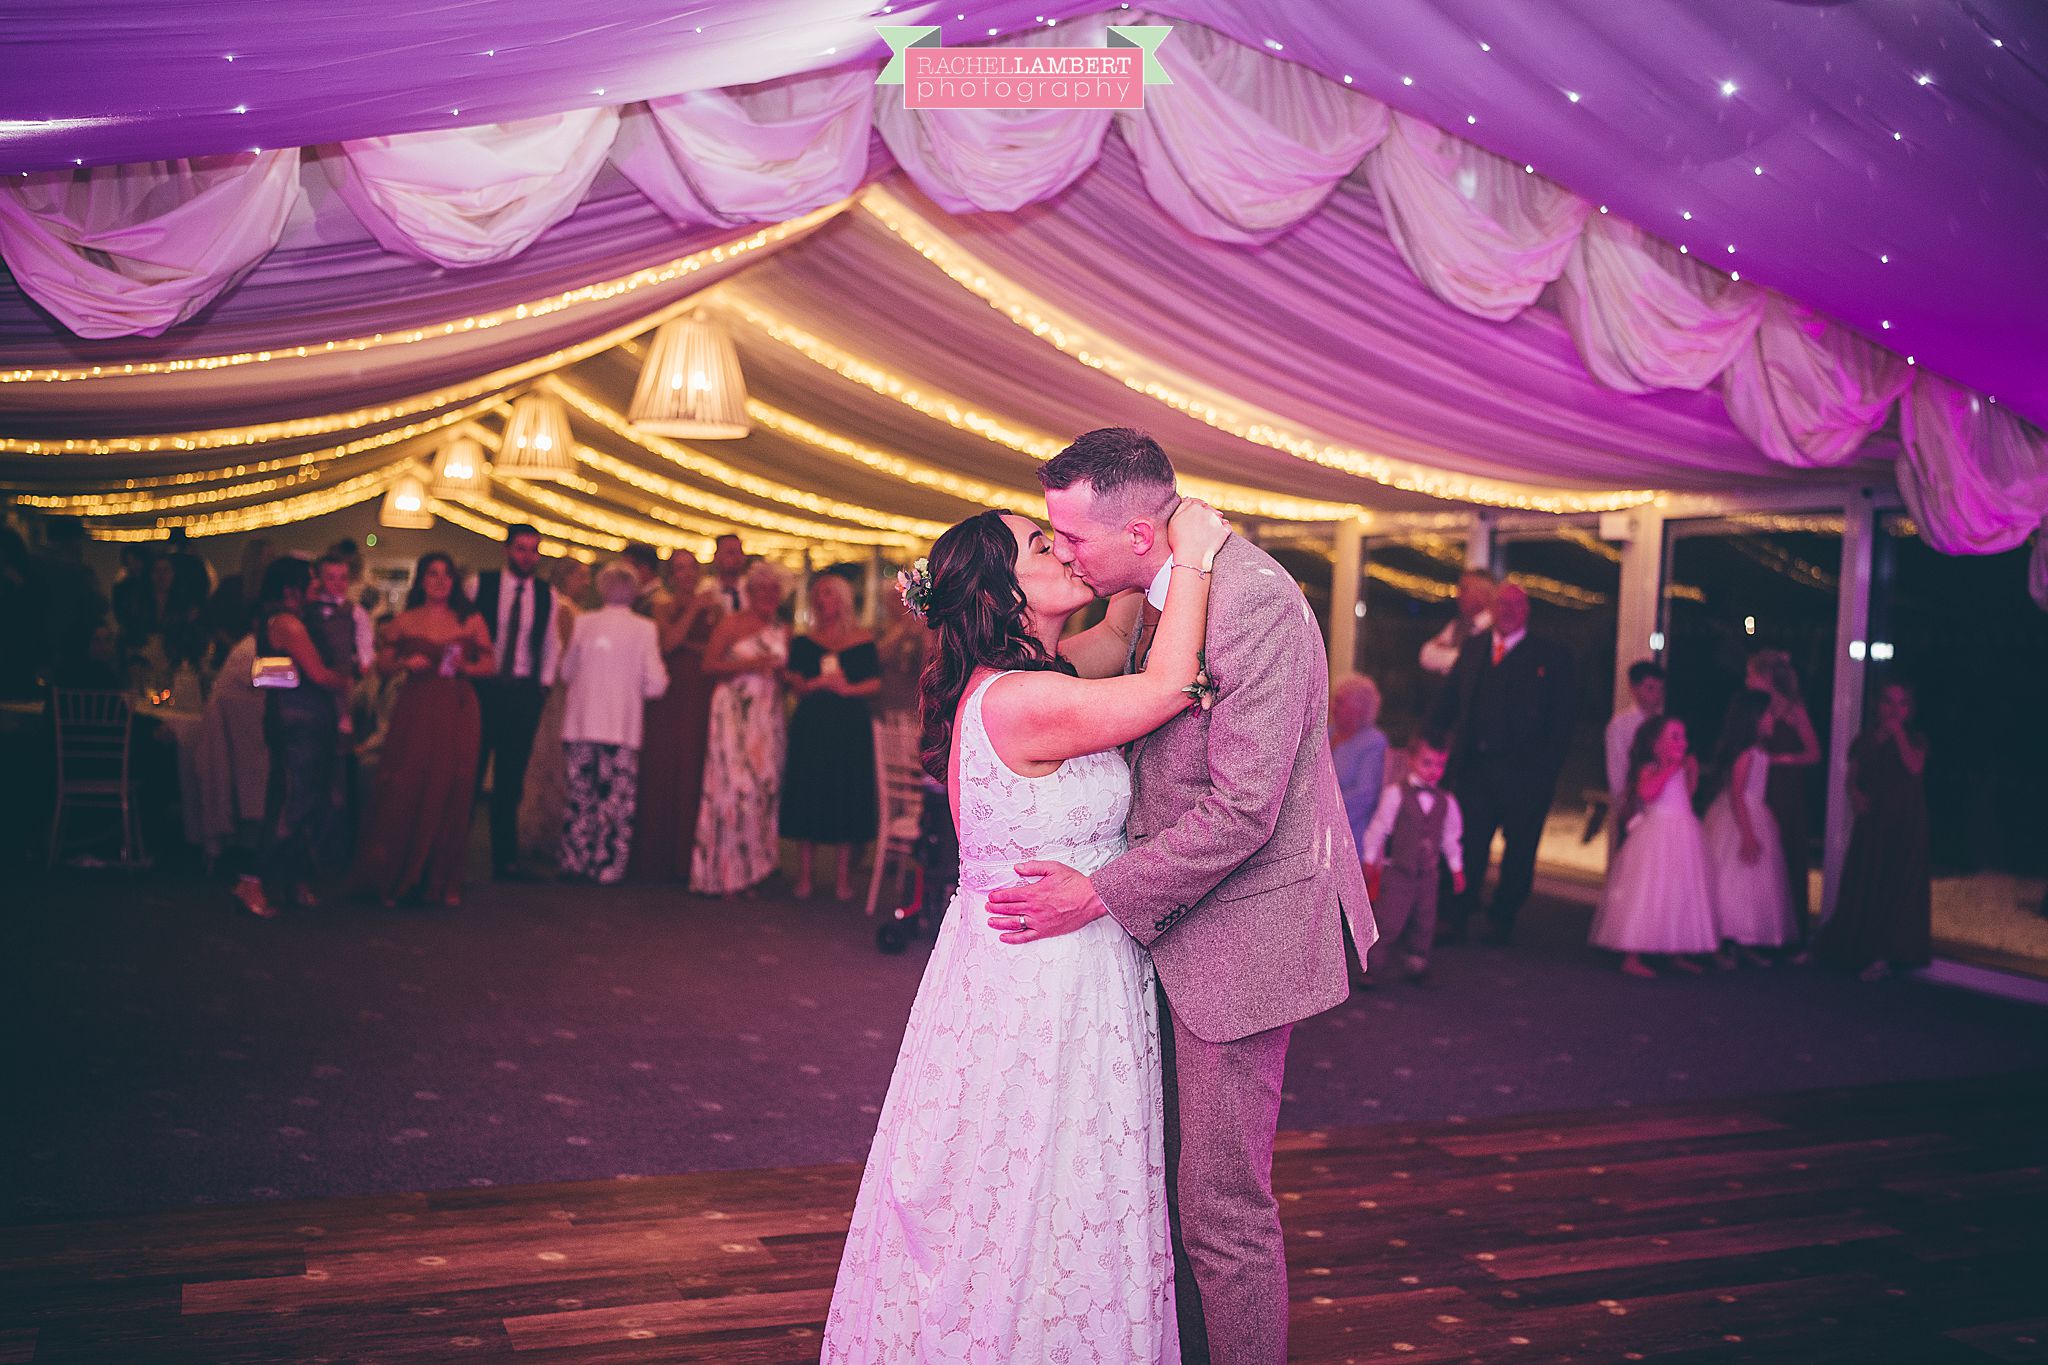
x: 1014, y: 1203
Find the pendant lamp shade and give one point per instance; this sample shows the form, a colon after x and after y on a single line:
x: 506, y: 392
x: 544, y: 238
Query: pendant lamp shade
x: 537, y: 443
x: 691, y: 385
x: 461, y: 468
x: 405, y: 506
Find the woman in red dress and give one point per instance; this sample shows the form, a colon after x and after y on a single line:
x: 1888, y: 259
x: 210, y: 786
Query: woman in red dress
x: 418, y: 832
x: 676, y: 726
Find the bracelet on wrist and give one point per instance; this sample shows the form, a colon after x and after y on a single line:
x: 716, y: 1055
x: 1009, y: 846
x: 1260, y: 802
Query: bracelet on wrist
x: 1192, y: 568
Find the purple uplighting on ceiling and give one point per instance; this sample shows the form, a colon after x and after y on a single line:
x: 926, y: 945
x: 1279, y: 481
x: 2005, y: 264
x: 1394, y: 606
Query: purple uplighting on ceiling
x: 1884, y: 163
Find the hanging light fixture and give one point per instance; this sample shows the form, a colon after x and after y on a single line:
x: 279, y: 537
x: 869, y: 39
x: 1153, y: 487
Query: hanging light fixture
x: 691, y: 385
x: 461, y: 467
x: 536, y: 444
x: 405, y: 506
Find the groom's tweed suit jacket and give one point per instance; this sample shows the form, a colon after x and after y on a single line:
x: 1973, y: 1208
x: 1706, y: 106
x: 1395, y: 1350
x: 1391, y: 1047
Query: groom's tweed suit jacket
x: 1241, y: 859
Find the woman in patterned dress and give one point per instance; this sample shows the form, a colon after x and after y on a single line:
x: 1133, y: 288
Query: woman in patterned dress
x: 737, y: 845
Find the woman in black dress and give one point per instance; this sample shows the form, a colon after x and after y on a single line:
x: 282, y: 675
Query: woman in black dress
x: 1883, y: 916
x: 828, y: 788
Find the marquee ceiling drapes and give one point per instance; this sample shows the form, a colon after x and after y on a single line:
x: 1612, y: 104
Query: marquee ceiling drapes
x: 1860, y: 159
x: 1339, y: 376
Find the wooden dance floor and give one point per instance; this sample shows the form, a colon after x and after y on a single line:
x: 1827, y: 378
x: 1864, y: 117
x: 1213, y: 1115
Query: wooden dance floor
x: 1900, y: 1223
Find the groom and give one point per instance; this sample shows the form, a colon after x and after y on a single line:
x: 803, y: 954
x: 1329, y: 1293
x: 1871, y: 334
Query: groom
x: 1240, y: 865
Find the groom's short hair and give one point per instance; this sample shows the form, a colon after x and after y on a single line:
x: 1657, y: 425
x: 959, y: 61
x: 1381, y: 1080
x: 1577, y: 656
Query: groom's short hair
x: 1118, y: 463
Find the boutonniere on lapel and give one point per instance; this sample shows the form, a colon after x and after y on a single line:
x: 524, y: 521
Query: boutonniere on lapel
x: 1203, y: 691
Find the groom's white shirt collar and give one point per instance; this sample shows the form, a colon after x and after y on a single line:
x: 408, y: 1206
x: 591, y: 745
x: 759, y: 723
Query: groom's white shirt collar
x: 1156, y: 594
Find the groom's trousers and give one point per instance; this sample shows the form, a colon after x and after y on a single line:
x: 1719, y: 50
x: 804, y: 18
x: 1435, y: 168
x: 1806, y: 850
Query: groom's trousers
x: 1229, y: 1262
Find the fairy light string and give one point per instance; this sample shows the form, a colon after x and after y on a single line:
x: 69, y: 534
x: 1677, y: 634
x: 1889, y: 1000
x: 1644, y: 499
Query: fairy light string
x: 1211, y: 407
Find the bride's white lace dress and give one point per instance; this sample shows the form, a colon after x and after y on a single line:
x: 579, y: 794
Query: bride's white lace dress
x: 1014, y: 1205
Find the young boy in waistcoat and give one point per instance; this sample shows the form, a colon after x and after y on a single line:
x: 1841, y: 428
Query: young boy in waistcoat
x: 1414, y: 825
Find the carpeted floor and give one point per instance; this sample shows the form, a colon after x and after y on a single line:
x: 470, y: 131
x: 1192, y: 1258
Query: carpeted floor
x: 169, y: 1050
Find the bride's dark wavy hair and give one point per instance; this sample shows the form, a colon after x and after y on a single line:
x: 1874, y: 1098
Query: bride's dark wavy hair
x: 977, y: 608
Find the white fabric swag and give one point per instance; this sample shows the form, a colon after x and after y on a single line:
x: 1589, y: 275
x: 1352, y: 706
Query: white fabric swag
x: 1808, y: 390
x: 1238, y: 149
x: 1645, y: 317
x: 1481, y: 232
x: 470, y: 196
x: 134, y: 250
x: 758, y: 155
x: 996, y: 160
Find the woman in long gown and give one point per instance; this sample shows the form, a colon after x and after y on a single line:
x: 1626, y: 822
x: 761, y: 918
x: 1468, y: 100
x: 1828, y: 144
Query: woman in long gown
x: 1794, y: 749
x: 736, y: 844
x: 1883, y: 916
x: 1014, y: 1203
x: 547, y: 778
x: 677, y: 725
x: 828, y: 789
x: 417, y: 838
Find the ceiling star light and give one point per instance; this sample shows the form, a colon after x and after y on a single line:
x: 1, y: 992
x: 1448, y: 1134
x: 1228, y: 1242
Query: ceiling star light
x: 537, y: 444
x: 1572, y: 95
x: 1923, y: 79
x: 691, y: 385
x: 1729, y: 87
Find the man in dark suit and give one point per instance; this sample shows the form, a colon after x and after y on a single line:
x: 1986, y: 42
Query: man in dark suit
x: 518, y: 607
x: 1509, y: 703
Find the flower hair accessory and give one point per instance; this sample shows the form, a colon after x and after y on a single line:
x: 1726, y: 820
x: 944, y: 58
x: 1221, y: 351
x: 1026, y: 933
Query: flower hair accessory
x: 914, y: 585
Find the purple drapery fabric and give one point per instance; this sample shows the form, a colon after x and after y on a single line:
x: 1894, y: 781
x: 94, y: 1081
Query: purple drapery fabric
x: 1860, y: 159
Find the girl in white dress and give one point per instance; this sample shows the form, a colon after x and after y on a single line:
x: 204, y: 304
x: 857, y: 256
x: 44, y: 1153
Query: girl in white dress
x: 1657, y: 898
x: 1752, y: 905
x: 1014, y: 1204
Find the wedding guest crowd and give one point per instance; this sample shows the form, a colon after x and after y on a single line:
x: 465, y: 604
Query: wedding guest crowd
x: 1705, y: 864
x: 672, y: 727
